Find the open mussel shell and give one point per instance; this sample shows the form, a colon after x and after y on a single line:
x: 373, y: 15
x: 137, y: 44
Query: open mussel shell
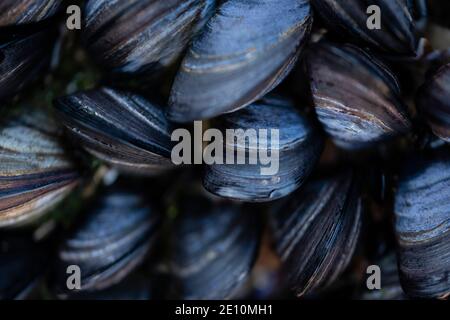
x: 397, y: 35
x: 141, y: 36
x: 213, y: 249
x: 356, y: 97
x: 284, y: 139
x: 316, y: 231
x: 36, y: 172
x: 21, y: 12
x: 422, y: 210
x: 433, y: 101
x: 244, y: 51
x: 22, y: 59
x: 121, y: 128
x: 22, y: 264
x: 110, y: 242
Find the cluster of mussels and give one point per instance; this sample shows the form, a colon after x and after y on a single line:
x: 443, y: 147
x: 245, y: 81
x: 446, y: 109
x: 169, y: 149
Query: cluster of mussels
x: 363, y: 115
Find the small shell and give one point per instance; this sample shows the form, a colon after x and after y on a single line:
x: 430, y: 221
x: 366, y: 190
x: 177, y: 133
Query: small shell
x: 298, y: 148
x: 35, y: 171
x: 397, y: 33
x: 18, y: 12
x: 113, y: 240
x: 121, y: 128
x: 245, y: 51
x: 141, y: 36
x: 356, y: 97
x: 422, y: 209
x: 434, y: 101
x: 316, y: 231
x: 213, y: 250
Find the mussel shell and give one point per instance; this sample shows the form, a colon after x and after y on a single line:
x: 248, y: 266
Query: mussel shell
x: 22, y: 59
x: 299, y: 148
x: 357, y: 98
x: 422, y: 209
x: 20, y: 12
x: 121, y: 128
x: 36, y: 173
x: 141, y: 36
x: 245, y: 50
x: 433, y: 101
x: 397, y: 36
x: 213, y: 250
x: 316, y: 231
x: 112, y: 240
x: 22, y: 264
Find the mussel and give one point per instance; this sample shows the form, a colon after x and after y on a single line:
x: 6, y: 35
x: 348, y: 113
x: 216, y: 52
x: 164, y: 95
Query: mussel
x: 316, y: 231
x: 35, y: 170
x: 270, y: 129
x: 433, y: 101
x: 244, y: 51
x: 111, y: 241
x: 23, y: 263
x: 213, y: 250
x: 22, y: 12
x: 422, y: 210
x: 121, y: 128
x: 397, y: 33
x: 356, y: 97
x: 141, y: 36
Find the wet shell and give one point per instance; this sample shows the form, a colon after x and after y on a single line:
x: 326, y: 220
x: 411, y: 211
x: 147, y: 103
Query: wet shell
x: 316, y: 231
x: 35, y: 171
x: 18, y: 12
x: 22, y: 60
x: 434, y: 102
x: 245, y: 50
x: 213, y: 250
x: 422, y: 210
x: 141, y: 36
x: 397, y: 34
x: 297, y: 149
x: 357, y: 99
x: 121, y: 128
x: 110, y: 242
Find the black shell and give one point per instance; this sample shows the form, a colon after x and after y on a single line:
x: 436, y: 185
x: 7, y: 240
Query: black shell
x: 422, y: 209
x: 22, y: 59
x: 22, y: 264
x: 245, y: 50
x: 213, y: 250
x: 398, y: 33
x: 433, y: 101
x: 357, y: 98
x: 110, y: 242
x: 299, y: 147
x: 121, y: 128
x: 316, y: 231
x: 21, y: 12
x: 36, y: 172
x: 141, y: 36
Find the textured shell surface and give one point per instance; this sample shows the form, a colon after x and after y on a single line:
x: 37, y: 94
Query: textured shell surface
x: 139, y: 36
x: 298, y: 148
x: 213, y: 251
x: 121, y: 128
x: 423, y: 226
x: 35, y: 171
x: 20, y: 12
x: 434, y: 101
x: 111, y: 241
x: 357, y: 98
x: 237, y: 58
x: 397, y: 35
x: 316, y: 231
